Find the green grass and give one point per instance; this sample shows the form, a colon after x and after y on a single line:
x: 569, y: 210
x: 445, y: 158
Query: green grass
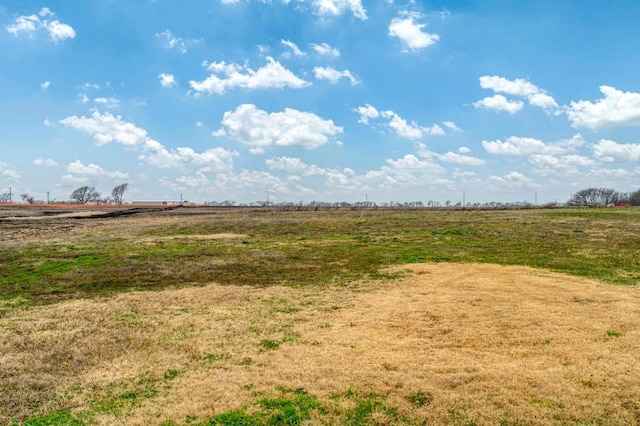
x: 292, y: 408
x: 56, y: 418
x: 321, y: 247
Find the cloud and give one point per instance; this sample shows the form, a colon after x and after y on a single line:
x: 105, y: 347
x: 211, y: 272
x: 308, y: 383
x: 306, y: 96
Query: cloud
x: 167, y: 80
x: 514, y: 180
x: 229, y: 76
x: 408, y: 130
x: 323, y: 8
x: 45, y: 85
x: 107, y: 102
x: 518, y: 87
x: 106, y: 128
x: 609, y: 151
x: 452, y: 157
x: 9, y: 172
x: 172, y: 42
x: 339, y: 7
x: 515, y: 145
x: 333, y: 75
x: 93, y: 170
x: 294, y: 48
x: 295, y: 166
x: 289, y: 128
x: 564, y: 165
x: 326, y: 50
x: 367, y: 112
x: 452, y: 126
x: 615, y: 108
x: 411, y: 170
x: 45, y: 162
x: 32, y: 24
x: 499, y: 103
x: 410, y: 32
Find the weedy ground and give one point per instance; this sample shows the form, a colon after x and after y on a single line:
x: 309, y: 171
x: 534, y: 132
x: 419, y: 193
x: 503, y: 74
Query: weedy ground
x: 197, y: 316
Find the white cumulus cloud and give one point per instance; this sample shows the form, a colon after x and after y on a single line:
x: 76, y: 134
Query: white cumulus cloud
x: 93, y: 170
x: 519, y: 87
x: 289, y: 128
x: 333, y: 75
x: 326, y: 49
x: 452, y: 126
x: 613, y: 152
x: 32, y: 24
x: 403, y: 128
x: 295, y: 166
x: 615, y: 108
x: 45, y: 162
x: 515, y: 145
x: 499, y: 103
x: 468, y: 160
x: 514, y: 180
x: 167, y: 80
x: 294, y: 48
x: 322, y: 8
x: 106, y: 128
x: 339, y: 7
x: 9, y: 172
x: 228, y: 76
x: 410, y: 32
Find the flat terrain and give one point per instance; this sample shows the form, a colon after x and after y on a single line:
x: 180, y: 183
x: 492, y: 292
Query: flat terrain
x: 215, y: 316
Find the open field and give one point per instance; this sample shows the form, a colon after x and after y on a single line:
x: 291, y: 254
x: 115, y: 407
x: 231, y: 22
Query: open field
x: 238, y: 316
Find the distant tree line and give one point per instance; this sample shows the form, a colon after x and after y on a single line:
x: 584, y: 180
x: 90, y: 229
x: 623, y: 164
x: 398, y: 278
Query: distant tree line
x: 317, y: 205
x: 604, y: 197
x: 82, y: 195
x: 88, y: 194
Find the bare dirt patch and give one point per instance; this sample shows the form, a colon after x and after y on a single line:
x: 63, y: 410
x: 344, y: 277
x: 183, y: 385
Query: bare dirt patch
x: 487, y: 343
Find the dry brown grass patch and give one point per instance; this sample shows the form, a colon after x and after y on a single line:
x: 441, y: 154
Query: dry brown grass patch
x: 486, y: 343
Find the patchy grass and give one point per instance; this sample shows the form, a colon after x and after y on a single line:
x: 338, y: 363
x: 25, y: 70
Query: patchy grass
x: 311, y: 248
x: 325, y: 317
x: 419, y: 349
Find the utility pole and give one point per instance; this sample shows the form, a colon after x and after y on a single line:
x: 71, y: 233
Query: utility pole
x: 10, y: 195
x: 464, y: 201
x: 47, y: 197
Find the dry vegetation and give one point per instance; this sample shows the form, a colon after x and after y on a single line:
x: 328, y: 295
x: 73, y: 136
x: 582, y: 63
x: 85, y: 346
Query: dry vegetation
x: 434, y: 343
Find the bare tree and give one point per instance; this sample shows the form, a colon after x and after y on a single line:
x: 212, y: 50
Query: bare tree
x: 85, y: 194
x: 5, y: 197
x: 596, y: 197
x: 28, y: 198
x: 634, y: 198
x: 118, y: 193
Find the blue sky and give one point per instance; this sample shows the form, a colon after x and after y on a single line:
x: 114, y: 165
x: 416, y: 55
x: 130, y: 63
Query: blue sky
x: 326, y: 100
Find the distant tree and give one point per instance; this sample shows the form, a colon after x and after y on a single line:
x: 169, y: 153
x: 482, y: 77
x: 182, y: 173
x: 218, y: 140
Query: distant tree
x: 85, y: 194
x: 634, y: 198
x: 118, y: 193
x: 28, y: 198
x: 596, y: 197
x: 5, y: 197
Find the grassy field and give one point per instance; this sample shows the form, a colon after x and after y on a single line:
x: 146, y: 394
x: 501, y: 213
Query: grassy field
x: 237, y: 316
